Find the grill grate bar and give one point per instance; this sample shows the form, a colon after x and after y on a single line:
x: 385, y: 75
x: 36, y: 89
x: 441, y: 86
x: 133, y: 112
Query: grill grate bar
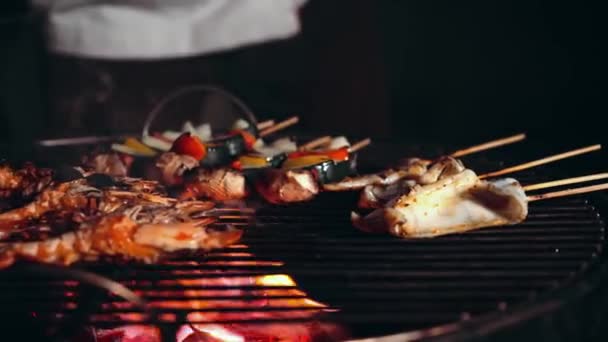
x: 364, y: 279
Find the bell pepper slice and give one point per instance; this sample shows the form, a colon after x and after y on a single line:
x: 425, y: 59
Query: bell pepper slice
x: 249, y: 138
x: 304, y: 161
x: 250, y: 161
x: 189, y: 145
x: 139, y: 147
x: 338, y: 155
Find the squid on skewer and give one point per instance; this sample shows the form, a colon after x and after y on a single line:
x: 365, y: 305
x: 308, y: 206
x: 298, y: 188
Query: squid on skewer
x: 458, y: 203
x: 412, y: 169
x: 376, y: 195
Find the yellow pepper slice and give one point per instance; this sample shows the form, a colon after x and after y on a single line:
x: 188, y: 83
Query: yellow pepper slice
x: 304, y: 161
x: 139, y: 147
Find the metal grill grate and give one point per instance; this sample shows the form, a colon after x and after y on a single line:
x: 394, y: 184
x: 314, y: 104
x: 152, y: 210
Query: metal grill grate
x: 306, y: 263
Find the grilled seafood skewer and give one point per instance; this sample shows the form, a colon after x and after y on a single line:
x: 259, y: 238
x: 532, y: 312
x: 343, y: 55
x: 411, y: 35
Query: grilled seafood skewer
x: 79, y: 195
x: 376, y: 195
x: 119, y: 236
x: 224, y: 184
x: 454, y: 204
x: 407, y: 168
x: 412, y: 168
x: 459, y: 203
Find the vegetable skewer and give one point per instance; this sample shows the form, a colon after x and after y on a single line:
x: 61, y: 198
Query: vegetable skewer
x: 303, y: 171
x: 223, y: 184
x: 315, y: 143
x: 265, y: 124
x: 280, y: 126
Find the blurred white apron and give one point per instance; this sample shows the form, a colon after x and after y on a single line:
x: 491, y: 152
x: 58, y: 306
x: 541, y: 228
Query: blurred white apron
x: 154, y: 29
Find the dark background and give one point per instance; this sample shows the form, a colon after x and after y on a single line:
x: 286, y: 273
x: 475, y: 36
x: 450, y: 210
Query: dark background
x: 422, y: 71
x: 447, y: 72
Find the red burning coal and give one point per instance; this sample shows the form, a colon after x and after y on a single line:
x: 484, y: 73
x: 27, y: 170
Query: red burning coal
x: 222, y: 305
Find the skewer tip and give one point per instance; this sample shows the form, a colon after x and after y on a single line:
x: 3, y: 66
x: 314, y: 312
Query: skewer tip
x: 281, y: 125
x: 359, y: 145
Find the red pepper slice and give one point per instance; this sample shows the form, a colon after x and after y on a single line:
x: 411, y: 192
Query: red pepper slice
x: 189, y: 145
x: 249, y: 138
x: 339, y: 154
x: 237, y: 165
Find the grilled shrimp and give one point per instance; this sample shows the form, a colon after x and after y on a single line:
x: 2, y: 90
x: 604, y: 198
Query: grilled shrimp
x: 25, y: 182
x: 119, y: 236
x: 9, y: 178
x: 65, y: 196
x: 177, y: 212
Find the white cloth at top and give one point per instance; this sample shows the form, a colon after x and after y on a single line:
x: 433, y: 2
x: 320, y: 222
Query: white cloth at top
x: 152, y: 29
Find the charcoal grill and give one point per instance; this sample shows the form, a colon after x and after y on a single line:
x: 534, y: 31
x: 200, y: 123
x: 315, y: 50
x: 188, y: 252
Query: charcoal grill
x: 305, y: 265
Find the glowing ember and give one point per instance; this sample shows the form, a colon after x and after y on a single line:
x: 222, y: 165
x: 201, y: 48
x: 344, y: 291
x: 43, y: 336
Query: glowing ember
x: 225, y: 304
x: 129, y: 333
x: 275, y: 280
x: 202, y: 333
x: 259, y: 332
x: 131, y: 317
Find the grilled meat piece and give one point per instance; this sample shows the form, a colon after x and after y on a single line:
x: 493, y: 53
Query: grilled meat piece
x: 111, y: 164
x: 222, y: 184
x: 279, y: 187
x: 172, y: 167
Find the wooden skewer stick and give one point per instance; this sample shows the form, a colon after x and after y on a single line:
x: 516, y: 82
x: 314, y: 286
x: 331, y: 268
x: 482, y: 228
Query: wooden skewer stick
x: 359, y: 145
x: 566, y: 181
x: 281, y: 125
x: 316, y: 143
x: 265, y: 124
x: 569, y: 192
x: 542, y: 161
x: 489, y: 145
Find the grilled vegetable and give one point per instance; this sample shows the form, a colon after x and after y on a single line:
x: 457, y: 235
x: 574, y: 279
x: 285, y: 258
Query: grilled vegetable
x: 189, y: 145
